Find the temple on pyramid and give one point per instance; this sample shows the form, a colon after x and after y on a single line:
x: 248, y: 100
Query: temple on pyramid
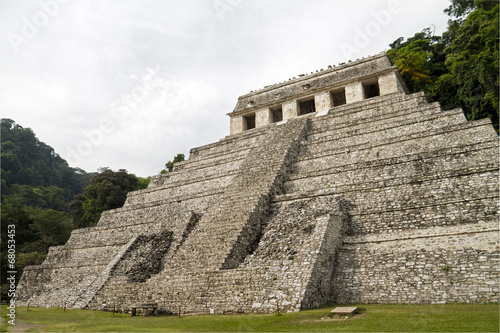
x: 333, y: 187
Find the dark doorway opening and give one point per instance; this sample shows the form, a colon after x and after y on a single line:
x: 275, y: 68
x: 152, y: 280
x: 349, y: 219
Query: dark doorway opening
x: 371, y: 90
x: 338, y: 97
x: 306, y: 107
x: 249, y: 121
x: 276, y: 114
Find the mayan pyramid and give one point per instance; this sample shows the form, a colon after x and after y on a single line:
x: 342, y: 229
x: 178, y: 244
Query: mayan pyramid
x: 333, y: 187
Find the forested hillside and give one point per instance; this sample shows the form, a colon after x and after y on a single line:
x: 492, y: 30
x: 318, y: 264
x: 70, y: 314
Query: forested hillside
x: 33, y: 173
x: 45, y: 199
x: 459, y: 68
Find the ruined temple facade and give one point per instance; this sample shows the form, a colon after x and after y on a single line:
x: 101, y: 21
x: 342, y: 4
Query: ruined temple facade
x: 333, y: 187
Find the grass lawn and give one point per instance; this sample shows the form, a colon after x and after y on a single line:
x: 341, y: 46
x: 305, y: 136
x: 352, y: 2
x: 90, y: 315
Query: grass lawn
x: 374, y: 318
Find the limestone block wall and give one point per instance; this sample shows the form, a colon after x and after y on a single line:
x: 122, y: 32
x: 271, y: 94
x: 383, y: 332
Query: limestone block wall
x: 322, y: 101
x: 73, y: 273
x: 354, y: 92
x: 389, y: 83
x: 50, y: 286
x: 439, y: 265
x: 314, y: 82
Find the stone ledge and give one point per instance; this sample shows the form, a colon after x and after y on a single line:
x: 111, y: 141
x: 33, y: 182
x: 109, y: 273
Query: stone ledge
x: 454, y: 129
x: 427, y: 155
x: 156, y: 203
x: 178, y: 183
x: 52, y: 266
x: 219, y: 160
x: 188, y: 167
x: 230, y: 139
x: 358, y: 108
x: 379, y: 101
x: 300, y: 187
x: 414, y: 234
x: 378, y: 184
x: 392, y: 121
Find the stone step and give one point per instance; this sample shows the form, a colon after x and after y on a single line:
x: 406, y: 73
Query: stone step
x: 186, y: 178
x: 413, y: 236
x: 186, y: 190
x: 369, y: 124
x: 402, y: 193
x: 367, y: 117
x: 102, y: 236
x: 392, y: 122
x: 414, y: 143
x: 67, y: 256
x: 378, y: 102
x: 222, y: 160
x: 230, y: 152
x: 197, y: 202
x: 208, y: 166
x: 210, y: 170
x: 377, y: 134
x: 234, y: 142
x: 409, y: 190
x: 458, y: 212
x: 368, y: 109
x: 53, y: 284
x: 85, y: 290
x: 241, y: 207
x: 441, y: 199
x: 407, y: 166
x: 388, y: 220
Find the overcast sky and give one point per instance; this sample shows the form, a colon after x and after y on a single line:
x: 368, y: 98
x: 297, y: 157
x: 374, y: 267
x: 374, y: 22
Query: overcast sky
x: 129, y: 84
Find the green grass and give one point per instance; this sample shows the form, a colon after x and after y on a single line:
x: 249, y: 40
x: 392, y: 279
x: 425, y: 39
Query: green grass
x: 374, y: 318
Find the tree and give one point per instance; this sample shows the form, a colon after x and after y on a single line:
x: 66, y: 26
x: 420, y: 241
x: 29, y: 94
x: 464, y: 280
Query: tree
x: 107, y: 190
x: 36, y: 230
x: 460, y: 9
x: 459, y: 69
x: 169, y: 166
x: 14, y: 213
x: 143, y: 182
x: 27, y: 161
x: 54, y: 227
x: 17, y: 215
x: 44, y: 197
x: 420, y: 60
x: 472, y: 59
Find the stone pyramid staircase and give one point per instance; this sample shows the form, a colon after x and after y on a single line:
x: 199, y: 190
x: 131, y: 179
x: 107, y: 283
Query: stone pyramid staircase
x: 415, y: 177
x: 228, y: 229
x: 260, y: 218
x: 398, y: 167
